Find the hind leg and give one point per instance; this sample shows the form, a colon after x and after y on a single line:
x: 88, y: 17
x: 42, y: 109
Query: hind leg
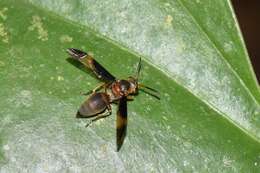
x: 94, y: 90
x: 101, y: 116
x: 102, y: 85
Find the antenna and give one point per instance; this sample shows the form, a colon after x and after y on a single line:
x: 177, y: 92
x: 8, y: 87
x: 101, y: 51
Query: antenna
x: 154, y: 92
x: 138, y: 69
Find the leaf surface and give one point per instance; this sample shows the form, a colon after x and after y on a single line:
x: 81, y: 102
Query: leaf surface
x: 206, y: 121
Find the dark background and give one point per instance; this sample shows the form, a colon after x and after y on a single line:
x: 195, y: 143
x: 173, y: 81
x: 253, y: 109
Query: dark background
x: 248, y: 15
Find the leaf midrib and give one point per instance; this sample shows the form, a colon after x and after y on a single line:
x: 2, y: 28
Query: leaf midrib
x: 220, y: 53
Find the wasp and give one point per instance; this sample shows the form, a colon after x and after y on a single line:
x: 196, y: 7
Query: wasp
x: 98, y: 104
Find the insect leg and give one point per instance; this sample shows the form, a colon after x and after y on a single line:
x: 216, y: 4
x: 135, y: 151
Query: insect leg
x: 104, y: 115
x: 150, y: 91
x: 95, y: 89
x: 130, y: 97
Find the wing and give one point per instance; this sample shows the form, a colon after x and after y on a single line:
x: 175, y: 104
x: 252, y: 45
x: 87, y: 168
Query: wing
x: 89, y: 62
x: 121, y: 122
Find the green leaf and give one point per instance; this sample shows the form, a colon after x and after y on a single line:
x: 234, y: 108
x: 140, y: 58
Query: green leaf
x: 206, y: 121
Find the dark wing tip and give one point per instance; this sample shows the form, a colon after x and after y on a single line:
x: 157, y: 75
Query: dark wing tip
x: 76, y: 53
x: 121, y: 133
x: 118, y: 148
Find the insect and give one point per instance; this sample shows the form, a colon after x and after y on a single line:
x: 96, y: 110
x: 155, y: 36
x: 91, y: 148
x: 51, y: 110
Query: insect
x: 98, y: 104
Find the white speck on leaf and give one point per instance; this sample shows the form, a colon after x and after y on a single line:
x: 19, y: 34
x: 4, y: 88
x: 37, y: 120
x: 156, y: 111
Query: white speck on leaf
x: 3, y: 33
x: 2, y: 63
x: 65, y: 39
x: 228, y: 47
x: 227, y: 161
x: 36, y: 24
x: 185, y: 163
x: 6, y: 147
x: 165, y: 118
x: 24, y: 98
x: 2, y: 13
x: 60, y: 78
x: 168, y: 20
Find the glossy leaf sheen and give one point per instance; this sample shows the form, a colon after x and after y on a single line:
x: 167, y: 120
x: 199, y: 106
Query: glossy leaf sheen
x: 206, y: 121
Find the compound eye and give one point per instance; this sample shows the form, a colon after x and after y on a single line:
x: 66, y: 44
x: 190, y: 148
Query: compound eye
x: 124, y: 85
